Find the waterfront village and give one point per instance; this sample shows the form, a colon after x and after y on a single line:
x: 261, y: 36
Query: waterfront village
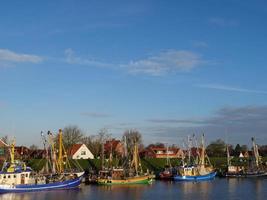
x: 69, y: 157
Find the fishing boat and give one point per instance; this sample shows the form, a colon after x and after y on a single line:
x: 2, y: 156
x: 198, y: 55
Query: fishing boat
x: 169, y: 171
x: 126, y: 175
x: 254, y: 169
x: 15, y: 176
x: 199, y: 169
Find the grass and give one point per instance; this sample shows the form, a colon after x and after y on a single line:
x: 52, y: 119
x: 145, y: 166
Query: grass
x: 151, y: 164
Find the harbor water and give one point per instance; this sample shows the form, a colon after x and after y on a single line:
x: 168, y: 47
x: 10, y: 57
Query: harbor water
x: 218, y: 189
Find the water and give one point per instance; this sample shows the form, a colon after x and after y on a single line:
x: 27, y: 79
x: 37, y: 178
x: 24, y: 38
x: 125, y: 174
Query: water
x: 217, y: 189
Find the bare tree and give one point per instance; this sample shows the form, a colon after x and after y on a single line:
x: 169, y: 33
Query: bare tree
x: 72, y: 135
x: 33, y: 147
x: 95, y: 142
x: 92, y: 144
x: 132, y: 137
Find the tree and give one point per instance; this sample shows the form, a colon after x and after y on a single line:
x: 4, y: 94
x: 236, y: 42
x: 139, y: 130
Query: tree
x: 132, y: 137
x: 263, y: 150
x: 244, y: 148
x: 217, y: 148
x: 96, y: 142
x: 71, y: 135
x: 237, y: 150
x: 158, y: 144
x: 33, y: 147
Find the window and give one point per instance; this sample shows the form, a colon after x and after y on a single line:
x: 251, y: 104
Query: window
x: 4, y: 176
x: 15, y: 176
x: 26, y: 175
x: 2, y: 151
x: 83, y: 153
x: 8, y: 176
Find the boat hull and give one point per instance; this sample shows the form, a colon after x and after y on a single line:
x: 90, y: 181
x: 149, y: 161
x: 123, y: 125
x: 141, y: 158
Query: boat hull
x: 206, y: 177
x: 246, y: 175
x: 41, y: 187
x: 165, y: 176
x: 127, y: 181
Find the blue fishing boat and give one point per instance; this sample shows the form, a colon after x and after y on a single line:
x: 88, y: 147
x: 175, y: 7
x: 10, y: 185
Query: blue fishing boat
x: 68, y: 184
x: 205, y: 177
x: 199, y: 169
x: 15, y: 176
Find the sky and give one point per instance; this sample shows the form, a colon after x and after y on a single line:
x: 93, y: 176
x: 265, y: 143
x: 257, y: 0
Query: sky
x: 166, y: 68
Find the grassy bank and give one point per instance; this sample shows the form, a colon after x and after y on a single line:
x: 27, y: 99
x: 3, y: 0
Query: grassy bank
x: 151, y: 164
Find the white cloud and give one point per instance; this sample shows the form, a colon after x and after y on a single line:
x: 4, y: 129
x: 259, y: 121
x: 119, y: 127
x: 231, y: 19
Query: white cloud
x: 165, y: 62
x: 230, y: 88
x: 200, y: 44
x: 13, y: 57
x: 95, y: 114
x: 218, y: 21
x: 72, y: 59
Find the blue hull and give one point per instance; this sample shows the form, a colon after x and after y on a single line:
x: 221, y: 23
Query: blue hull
x: 41, y: 187
x: 206, y: 177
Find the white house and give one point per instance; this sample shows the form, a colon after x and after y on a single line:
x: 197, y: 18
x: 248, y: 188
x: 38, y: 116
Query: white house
x: 80, y: 151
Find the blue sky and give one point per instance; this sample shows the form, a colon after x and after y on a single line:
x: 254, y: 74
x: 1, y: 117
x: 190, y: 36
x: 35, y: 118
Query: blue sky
x: 166, y: 68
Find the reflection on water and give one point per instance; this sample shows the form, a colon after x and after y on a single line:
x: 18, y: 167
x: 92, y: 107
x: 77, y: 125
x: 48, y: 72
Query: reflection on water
x: 218, y: 189
x: 203, y: 189
x: 43, y: 195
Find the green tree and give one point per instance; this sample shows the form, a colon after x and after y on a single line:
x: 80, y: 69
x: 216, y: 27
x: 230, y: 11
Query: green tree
x: 237, y: 150
x: 217, y: 148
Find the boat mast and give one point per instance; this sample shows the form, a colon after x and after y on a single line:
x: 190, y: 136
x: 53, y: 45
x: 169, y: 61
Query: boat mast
x: 202, y: 157
x: 256, y: 152
x: 46, y: 152
x: 60, y: 157
x: 12, y: 153
x: 110, y: 154
x: 183, y: 155
x: 52, y: 152
x: 228, y: 155
x: 102, y: 155
x: 168, y: 159
x: 135, y: 160
x: 11, y: 168
x: 189, y: 150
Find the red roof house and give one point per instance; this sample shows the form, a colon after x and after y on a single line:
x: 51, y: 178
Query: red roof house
x: 80, y: 151
x: 114, y: 146
x: 162, y: 152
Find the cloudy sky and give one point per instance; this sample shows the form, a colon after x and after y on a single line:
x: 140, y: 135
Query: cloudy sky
x: 166, y: 68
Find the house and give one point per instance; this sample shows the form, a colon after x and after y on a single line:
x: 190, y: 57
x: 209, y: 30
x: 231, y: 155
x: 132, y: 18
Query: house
x: 80, y: 151
x: 22, y: 152
x: 162, y: 152
x: 38, y: 153
x: 114, y: 146
x: 245, y: 154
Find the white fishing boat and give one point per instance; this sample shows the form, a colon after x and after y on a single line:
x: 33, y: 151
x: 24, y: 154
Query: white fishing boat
x: 15, y: 176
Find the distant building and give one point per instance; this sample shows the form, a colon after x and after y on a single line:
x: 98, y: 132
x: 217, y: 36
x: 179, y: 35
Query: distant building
x: 162, y: 152
x: 22, y: 152
x: 37, y: 153
x: 114, y: 146
x: 245, y: 154
x: 80, y: 151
